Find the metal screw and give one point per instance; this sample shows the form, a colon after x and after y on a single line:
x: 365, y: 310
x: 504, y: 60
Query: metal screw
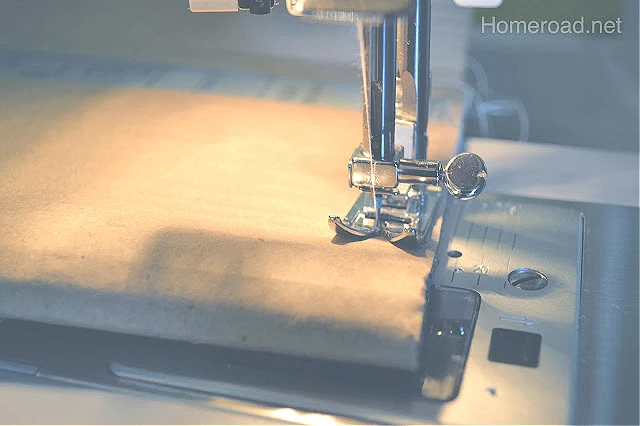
x: 527, y: 279
x: 465, y: 176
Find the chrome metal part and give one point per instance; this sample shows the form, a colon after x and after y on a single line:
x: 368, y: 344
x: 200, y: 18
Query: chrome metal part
x: 418, y: 210
x: 388, y: 89
x: 395, y: 53
x: 406, y: 216
x: 465, y: 176
x: 385, y: 178
x: 257, y: 7
x: 362, y: 221
x: 418, y: 65
x: 396, y: 90
x: 379, y: 81
x: 527, y: 279
x: 417, y: 171
x: 402, y: 208
x: 349, y: 10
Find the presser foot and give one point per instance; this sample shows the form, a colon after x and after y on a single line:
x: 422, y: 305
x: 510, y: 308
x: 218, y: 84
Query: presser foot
x: 403, y: 217
x: 396, y: 211
x: 359, y: 222
x: 406, y: 194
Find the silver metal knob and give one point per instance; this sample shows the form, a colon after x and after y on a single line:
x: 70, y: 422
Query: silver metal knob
x: 465, y: 176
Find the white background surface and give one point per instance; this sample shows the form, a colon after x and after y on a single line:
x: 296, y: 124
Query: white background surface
x: 559, y: 172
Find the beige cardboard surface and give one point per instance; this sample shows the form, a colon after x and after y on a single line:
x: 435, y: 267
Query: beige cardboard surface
x: 196, y: 217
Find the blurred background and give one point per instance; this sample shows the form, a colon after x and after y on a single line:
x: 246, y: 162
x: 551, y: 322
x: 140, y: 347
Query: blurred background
x: 578, y: 89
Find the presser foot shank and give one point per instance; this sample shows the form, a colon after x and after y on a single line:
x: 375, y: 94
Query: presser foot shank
x: 399, y: 197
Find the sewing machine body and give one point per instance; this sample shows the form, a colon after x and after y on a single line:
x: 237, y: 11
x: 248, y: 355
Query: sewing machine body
x: 510, y: 326
x: 490, y: 352
x: 433, y: 378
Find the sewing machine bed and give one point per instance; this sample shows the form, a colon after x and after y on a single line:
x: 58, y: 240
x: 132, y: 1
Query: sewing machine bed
x: 196, y: 217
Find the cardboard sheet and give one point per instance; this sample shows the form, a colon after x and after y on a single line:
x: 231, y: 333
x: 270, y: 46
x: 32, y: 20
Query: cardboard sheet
x: 196, y: 217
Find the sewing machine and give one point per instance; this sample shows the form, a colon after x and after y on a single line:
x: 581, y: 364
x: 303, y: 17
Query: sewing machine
x: 174, y: 268
x: 390, y: 166
x: 501, y: 302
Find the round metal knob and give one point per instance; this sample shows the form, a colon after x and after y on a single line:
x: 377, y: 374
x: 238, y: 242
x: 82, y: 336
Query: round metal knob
x: 465, y: 176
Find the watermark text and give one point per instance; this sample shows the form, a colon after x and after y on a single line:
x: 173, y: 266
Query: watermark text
x: 579, y: 26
